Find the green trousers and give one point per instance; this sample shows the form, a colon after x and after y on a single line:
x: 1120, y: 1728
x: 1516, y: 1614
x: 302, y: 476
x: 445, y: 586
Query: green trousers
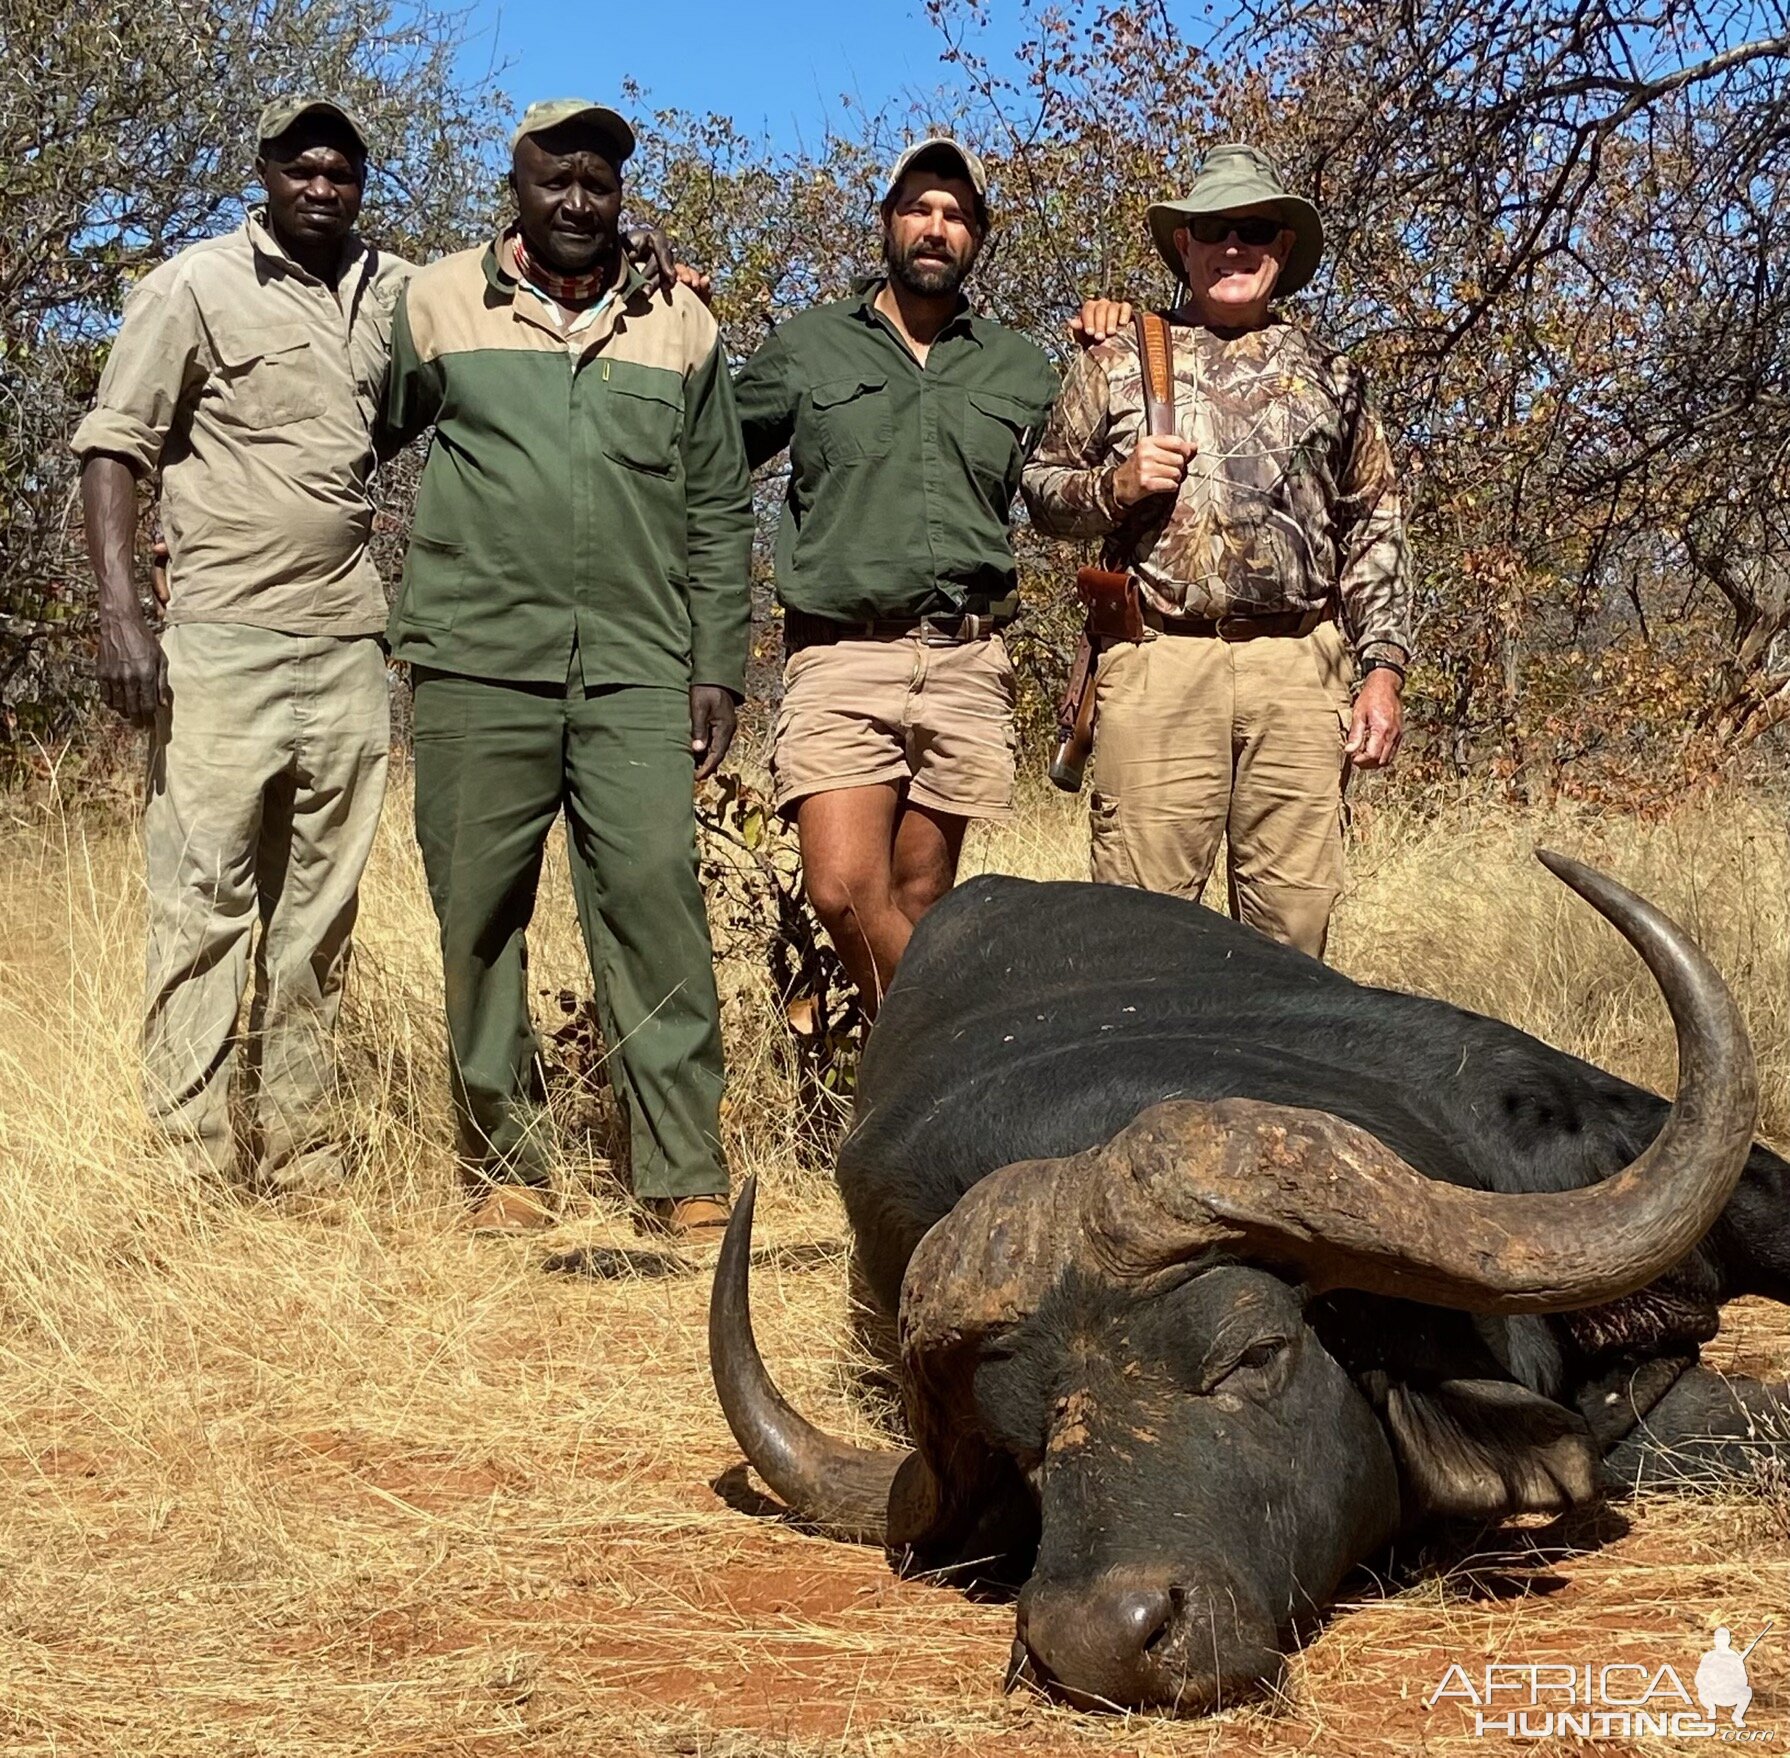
x: 495, y: 763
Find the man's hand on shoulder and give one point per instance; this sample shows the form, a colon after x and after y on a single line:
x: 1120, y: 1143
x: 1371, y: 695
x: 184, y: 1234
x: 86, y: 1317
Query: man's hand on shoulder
x: 713, y: 716
x: 1157, y: 466
x: 1378, y: 723
x: 1098, y: 321
x: 697, y: 281
x: 650, y: 248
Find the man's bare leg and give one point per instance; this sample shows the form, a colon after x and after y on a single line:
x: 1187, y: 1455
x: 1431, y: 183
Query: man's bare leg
x: 928, y: 843
x: 848, y: 842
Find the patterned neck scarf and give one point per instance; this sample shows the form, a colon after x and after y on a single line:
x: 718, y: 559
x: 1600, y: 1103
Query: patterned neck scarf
x: 566, y: 289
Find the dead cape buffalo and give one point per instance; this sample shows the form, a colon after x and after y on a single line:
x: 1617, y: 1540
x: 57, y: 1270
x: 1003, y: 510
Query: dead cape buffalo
x: 1214, y: 1271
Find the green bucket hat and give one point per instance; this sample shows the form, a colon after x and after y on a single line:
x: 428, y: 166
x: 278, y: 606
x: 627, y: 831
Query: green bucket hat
x: 1243, y: 179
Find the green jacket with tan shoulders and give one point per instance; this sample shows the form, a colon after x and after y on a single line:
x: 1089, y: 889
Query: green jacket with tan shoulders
x: 589, y: 489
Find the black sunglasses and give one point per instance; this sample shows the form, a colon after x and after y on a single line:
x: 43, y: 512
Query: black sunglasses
x: 1252, y: 229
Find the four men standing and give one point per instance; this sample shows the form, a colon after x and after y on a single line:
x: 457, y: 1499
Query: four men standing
x: 574, y: 611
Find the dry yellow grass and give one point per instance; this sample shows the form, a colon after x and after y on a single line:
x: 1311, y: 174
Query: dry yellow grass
x: 370, y: 1486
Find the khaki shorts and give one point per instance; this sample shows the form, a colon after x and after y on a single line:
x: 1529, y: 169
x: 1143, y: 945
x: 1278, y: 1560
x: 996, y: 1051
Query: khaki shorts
x: 939, y: 718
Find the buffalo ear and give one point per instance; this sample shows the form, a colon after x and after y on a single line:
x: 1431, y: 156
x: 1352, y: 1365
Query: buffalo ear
x: 1486, y: 1449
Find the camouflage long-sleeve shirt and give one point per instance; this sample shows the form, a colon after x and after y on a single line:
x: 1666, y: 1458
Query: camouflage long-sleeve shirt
x: 1291, y: 499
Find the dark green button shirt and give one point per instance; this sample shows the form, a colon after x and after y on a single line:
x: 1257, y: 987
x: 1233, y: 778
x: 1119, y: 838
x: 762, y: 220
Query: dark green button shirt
x: 902, y: 477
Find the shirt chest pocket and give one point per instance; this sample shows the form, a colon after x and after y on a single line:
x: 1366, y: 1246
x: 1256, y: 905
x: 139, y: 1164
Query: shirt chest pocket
x: 854, y: 418
x: 995, y: 434
x: 269, y: 376
x: 640, y: 425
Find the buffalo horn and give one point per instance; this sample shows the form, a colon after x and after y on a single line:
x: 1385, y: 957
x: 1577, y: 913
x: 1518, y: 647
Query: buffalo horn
x: 1306, y: 1188
x: 841, y: 1489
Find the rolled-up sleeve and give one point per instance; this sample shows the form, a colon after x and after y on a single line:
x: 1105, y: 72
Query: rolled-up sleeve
x: 1374, y: 579
x: 152, y: 373
x: 1068, y: 483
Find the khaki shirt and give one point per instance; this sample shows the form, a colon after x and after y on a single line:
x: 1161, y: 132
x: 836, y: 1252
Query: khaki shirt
x: 250, y: 388
x: 1291, y: 502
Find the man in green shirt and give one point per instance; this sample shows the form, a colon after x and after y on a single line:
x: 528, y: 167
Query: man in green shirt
x: 574, y: 612
x: 908, y: 419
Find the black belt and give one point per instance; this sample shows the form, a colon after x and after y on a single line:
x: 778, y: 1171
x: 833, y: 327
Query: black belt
x: 947, y: 628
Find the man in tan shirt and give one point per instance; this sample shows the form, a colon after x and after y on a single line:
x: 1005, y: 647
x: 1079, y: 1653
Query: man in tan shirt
x: 244, y: 384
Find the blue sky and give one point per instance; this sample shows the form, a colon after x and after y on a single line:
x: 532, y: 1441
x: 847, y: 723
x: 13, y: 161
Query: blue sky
x: 777, y: 67
x: 780, y: 68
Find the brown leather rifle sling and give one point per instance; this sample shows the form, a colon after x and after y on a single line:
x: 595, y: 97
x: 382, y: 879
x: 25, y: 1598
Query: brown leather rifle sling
x: 1156, y: 349
x: 1115, y: 609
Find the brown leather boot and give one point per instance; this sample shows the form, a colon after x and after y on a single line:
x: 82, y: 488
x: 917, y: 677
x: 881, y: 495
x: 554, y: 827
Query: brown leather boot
x: 514, y: 1208
x: 691, y: 1220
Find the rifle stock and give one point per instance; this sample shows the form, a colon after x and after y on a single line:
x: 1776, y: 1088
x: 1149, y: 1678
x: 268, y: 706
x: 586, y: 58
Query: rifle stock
x: 1075, y: 720
x: 1115, y: 613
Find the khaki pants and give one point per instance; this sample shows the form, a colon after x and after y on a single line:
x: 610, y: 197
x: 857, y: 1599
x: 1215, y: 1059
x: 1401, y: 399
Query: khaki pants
x: 1198, y: 739
x: 267, y: 772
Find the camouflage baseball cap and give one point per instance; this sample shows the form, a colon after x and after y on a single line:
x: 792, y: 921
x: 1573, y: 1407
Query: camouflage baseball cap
x: 282, y: 113
x: 1239, y: 179
x: 538, y: 118
x: 939, y: 146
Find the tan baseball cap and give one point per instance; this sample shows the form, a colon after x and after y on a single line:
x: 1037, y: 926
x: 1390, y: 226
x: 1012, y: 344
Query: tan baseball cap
x: 538, y: 118
x: 941, y: 146
x: 282, y: 113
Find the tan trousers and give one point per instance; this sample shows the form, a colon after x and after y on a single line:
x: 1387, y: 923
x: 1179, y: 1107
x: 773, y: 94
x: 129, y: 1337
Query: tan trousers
x: 1200, y: 738
x: 267, y: 772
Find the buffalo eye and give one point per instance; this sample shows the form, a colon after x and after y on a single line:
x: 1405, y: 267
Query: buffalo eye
x: 1256, y: 1362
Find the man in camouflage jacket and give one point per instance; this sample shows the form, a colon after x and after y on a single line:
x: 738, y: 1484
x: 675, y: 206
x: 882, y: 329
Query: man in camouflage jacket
x: 1267, y: 545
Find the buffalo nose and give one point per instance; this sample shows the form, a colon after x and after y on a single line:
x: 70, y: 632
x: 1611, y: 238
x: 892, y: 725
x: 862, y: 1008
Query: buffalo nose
x: 1135, y: 1638
x: 1095, y: 1643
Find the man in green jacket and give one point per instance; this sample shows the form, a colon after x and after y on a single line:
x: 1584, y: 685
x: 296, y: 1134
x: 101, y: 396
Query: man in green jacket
x: 574, y: 612
x: 908, y: 418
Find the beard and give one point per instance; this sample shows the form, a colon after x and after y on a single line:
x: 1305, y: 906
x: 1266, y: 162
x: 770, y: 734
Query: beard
x: 930, y: 278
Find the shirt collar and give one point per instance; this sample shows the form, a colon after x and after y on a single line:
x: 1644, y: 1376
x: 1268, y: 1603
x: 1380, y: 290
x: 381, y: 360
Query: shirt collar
x: 569, y: 320
x: 500, y: 272
x: 1272, y: 325
x: 962, y: 322
x: 265, y: 244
